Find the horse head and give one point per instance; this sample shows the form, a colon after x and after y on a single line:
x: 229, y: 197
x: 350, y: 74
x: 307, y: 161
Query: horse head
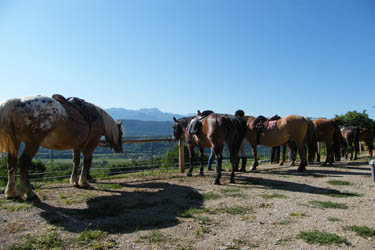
x: 117, y: 142
x: 178, y: 131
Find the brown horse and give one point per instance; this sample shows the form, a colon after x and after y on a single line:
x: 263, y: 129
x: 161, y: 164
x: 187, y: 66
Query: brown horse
x: 219, y: 129
x: 350, y: 141
x: 292, y: 127
x: 43, y: 121
x: 181, y: 131
x: 327, y: 130
x: 367, y: 136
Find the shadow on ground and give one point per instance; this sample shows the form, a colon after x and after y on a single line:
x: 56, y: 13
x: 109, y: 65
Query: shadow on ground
x: 150, y: 206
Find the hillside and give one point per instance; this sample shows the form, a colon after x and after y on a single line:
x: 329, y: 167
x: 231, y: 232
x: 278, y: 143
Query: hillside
x: 136, y: 128
x: 152, y: 114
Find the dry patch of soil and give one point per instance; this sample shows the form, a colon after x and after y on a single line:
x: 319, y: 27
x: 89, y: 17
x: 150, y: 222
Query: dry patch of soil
x: 266, y: 209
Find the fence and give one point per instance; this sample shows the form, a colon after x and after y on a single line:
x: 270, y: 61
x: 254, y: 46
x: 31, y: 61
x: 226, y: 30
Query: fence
x: 61, y: 174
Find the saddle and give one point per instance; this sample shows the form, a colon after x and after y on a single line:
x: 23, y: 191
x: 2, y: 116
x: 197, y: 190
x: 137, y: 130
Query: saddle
x: 261, y: 124
x: 78, y: 109
x: 195, y: 125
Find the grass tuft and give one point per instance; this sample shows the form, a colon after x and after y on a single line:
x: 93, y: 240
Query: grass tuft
x: 322, y: 238
x: 328, y: 204
x: 339, y: 183
x: 363, y: 231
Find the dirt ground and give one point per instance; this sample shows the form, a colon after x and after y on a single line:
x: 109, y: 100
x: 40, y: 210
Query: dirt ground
x: 266, y: 209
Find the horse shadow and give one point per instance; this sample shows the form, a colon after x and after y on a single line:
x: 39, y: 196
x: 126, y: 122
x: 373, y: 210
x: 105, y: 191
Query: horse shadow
x: 259, y: 182
x: 152, y: 205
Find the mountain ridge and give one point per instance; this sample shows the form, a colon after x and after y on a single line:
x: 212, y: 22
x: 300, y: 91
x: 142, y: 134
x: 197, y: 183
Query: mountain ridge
x: 143, y: 114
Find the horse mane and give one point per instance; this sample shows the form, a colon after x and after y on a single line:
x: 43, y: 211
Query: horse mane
x: 111, y: 131
x: 7, y: 137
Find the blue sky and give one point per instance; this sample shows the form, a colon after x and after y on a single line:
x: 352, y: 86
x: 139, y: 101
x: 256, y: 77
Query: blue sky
x: 309, y: 57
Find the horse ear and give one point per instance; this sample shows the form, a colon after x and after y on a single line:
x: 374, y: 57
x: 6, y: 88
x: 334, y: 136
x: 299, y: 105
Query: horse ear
x: 198, y: 112
x: 174, y: 119
x: 120, y: 123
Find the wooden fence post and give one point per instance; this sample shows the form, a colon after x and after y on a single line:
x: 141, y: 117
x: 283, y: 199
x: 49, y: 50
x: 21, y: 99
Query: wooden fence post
x: 181, y: 160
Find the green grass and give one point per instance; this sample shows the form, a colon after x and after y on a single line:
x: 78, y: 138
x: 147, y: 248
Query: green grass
x: 230, y: 190
x: 234, y: 210
x: 339, y: 183
x: 298, y: 214
x: 12, y: 206
x: 328, y: 204
x: 333, y: 219
x: 154, y: 237
x: 338, y: 194
x: 49, y: 240
x: 189, y: 213
x: 322, y: 238
x: 211, y: 196
x: 283, y: 241
x: 363, y: 231
x: 273, y: 196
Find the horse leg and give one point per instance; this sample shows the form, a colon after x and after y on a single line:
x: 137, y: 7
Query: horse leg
x: 217, y: 151
x: 191, y: 158
x: 11, y: 189
x: 303, y: 156
x: 87, y: 159
x: 330, y: 153
x: 201, y: 158
x: 255, y: 154
x: 74, y: 175
x: 318, y: 152
x: 283, y: 156
x: 28, y: 153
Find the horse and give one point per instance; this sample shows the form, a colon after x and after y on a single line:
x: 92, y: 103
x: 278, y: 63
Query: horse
x: 350, y: 141
x: 218, y: 129
x: 326, y: 130
x: 181, y: 132
x: 54, y: 123
x: 279, y: 132
x: 367, y: 136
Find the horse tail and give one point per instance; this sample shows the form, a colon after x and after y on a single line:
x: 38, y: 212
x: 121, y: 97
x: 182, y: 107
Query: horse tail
x: 337, y: 142
x: 8, y: 141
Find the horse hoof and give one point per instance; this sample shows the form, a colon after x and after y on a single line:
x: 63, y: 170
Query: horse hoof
x: 281, y: 164
x: 74, y: 183
x: 83, y: 183
x: 253, y: 168
x: 91, y: 180
x: 301, y: 168
x: 28, y: 195
x: 216, y: 182
x: 201, y: 174
x: 243, y: 170
x: 231, y: 181
x: 189, y: 174
x: 209, y: 169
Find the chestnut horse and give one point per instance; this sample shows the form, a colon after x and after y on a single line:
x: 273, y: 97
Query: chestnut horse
x: 219, y: 129
x: 367, y: 136
x: 291, y: 127
x: 43, y: 121
x: 350, y: 141
x: 181, y: 131
x: 327, y: 130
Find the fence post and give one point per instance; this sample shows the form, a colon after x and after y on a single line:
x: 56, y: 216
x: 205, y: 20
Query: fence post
x: 181, y: 160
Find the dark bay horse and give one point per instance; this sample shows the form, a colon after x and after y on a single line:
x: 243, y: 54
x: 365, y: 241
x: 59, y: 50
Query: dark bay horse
x: 327, y: 130
x: 181, y: 131
x: 350, y: 141
x: 367, y: 136
x: 219, y: 129
x: 292, y: 127
x: 43, y: 121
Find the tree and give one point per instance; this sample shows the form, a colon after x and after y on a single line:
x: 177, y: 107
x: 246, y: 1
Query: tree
x: 354, y: 118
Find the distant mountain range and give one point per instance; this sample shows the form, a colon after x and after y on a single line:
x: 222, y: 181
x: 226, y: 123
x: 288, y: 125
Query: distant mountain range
x: 152, y: 114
